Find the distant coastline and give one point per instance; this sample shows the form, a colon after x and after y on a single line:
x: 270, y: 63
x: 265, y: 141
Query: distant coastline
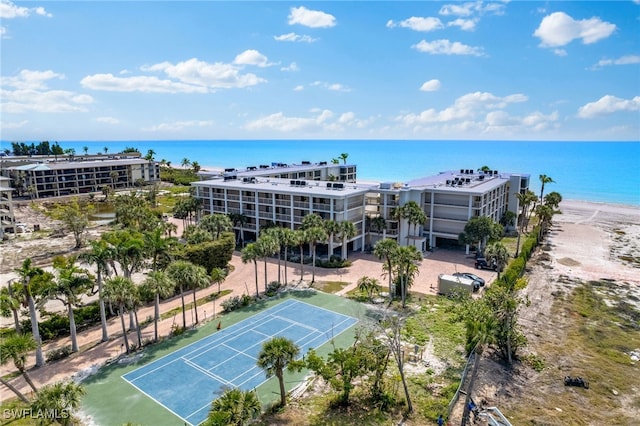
x: 599, y: 172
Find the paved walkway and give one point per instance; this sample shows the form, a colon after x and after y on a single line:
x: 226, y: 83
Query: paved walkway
x: 241, y: 280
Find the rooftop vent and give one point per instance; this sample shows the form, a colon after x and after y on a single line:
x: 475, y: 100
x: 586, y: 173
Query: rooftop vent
x: 306, y: 163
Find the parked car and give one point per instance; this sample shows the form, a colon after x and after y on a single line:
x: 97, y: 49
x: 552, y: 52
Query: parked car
x: 483, y: 263
x: 476, y: 279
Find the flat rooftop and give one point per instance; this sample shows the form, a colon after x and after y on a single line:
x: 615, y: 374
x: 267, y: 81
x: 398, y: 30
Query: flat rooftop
x: 464, y: 180
x: 290, y: 186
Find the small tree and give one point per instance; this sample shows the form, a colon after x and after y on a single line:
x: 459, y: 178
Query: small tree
x: 61, y: 399
x: 75, y: 218
x: 235, y: 407
x: 158, y: 285
x: 119, y: 291
x: 15, y: 348
x: 368, y: 285
x: 276, y: 355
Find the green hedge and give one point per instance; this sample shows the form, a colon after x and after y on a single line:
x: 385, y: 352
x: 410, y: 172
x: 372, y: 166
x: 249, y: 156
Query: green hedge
x: 211, y: 254
x: 57, y: 324
x: 177, y: 176
x: 516, y: 268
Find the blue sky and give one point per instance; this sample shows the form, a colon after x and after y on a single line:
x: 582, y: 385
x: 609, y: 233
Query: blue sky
x: 499, y: 70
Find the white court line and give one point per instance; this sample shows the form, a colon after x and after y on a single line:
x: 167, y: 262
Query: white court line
x: 206, y: 372
x: 158, y: 402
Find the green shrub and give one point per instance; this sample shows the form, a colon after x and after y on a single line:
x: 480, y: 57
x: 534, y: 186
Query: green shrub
x: 272, y: 288
x: 333, y: 262
x: 212, y: 254
x: 60, y: 353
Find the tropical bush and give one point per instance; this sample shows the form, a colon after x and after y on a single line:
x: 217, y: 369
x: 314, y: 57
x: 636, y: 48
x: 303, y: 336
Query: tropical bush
x: 60, y: 353
x: 333, y: 262
x: 236, y: 302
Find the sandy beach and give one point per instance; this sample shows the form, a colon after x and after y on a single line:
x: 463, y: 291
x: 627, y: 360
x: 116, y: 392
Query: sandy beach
x: 588, y: 241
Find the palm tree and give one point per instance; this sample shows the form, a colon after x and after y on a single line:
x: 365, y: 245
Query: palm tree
x: 15, y: 348
x: 332, y: 228
x: 119, y: 291
x: 288, y: 239
x: 544, y: 179
x: 100, y: 255
x: 60, y: 399
x: 251, y: 253
x: 315, y: 235
x: 158, y: 284
x: 553, y: 199
x: 415, y: 216
x: 216, y: 224
x: 195, y: 166
x: 525, y: 200
x: 405, y: 261
x: 218, y: 275
x: 239, y: 219
x: 343, y: 157
x: 105, y: 149
x: 158, y: 248
x: 69, y: 286
x: 347, y: 231
x: 186, y: 275
x: 185, y: 162
x: 384, y: 250
x: 275, y: 234
x: 275, y: 356
x: 301, y: 238
x: 499, y: 254
x: 85, y: 149
x: 234, y: 407
x: 10, y: 302
x: 32, y: 278
x: 150, y: 155
x: 267, y: 246
x: 368, y: 285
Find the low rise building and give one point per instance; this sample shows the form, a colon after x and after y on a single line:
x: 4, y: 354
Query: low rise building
x: 7, y: 217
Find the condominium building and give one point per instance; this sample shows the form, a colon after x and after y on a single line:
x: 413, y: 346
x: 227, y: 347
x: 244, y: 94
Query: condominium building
x: 7, y: 218
x: 48, y: 178
x: 448, y: 199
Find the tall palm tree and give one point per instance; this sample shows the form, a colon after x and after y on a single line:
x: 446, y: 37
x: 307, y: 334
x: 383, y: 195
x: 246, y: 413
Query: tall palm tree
x: 200, y: 279
x: 159, y: 285
x: 68, y: 287
x: 275, y: 356
x: 119, y: 291
x: 158, y: 248
x: 384, y: 250
x: 524, y: 199
x: 347, y: 231
x: 315, y: 235
x: 32, y: 279
x: 150, y: 155
x: 251, y: 253
x: 267, y: 246
x: 186, y: 275
x: 343, y: 157
x: 288, y: 239
x: 59, y: 399
x: 100, y: 254
x: 275, y: 234
x: 301, y: 237
x: 405, y: 260
x: 234, y: 407
x: 544, y: 179
x: 553, y: 199
x: 185, y: 162
x: 332, y: 228
x: 239, y: 219
x: 15, y: 347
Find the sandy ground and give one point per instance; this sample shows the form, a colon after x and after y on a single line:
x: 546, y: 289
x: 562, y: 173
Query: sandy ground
x: 587, y: 242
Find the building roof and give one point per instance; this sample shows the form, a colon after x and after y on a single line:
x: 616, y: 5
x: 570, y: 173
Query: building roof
x: 62, y: 165
x: 468, y: 181
x: 290, y: 186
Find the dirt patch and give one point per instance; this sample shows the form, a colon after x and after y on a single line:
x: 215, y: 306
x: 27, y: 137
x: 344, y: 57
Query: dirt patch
x: 566, y: 261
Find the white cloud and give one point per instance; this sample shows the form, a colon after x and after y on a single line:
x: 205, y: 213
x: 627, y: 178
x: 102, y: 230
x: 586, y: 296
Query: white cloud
x: 560, y: 29
x: 293, y: 37
x: 191, y: 76
x: 3, y: 31
x: 145, y: 84
x: 418, y: 24
x: 623, y: 60
x: 335, y: 87
x: 298, y: 88
x: 463, y: 24
x: 446, y: 47
x: 108, y: 120
x: 465, y: 107
x: 430, y: 86
x: 291, y: 67
x: 251, y: 57
x: 311, y: 18
x: 28, y: 79
x: 14, y: 124
x: 28, y: 91
x: 471, y: 8
x: 608, y: 104
x: 320, y: 120
x: 178, y: 126
x: 8, y: 10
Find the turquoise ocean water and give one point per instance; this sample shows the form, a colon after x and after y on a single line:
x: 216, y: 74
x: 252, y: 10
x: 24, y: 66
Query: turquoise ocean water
x: 590, y: 171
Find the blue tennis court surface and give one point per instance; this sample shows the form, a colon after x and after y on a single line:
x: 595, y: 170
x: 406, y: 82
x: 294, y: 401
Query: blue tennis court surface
x: 187, y: 380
